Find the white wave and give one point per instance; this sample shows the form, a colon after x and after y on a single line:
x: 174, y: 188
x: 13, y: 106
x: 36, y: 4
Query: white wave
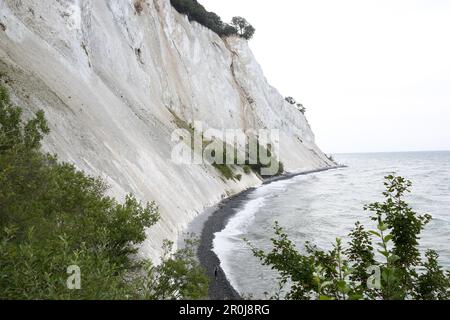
x: 226, y: 241
x: 230, y: 239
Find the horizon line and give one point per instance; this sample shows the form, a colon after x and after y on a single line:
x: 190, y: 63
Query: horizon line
x: 375, y: 152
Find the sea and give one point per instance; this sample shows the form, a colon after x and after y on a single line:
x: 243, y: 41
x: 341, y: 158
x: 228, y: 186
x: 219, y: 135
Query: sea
x: 321, y: 207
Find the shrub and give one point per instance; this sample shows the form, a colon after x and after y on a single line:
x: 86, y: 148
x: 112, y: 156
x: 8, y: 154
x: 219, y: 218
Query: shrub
x: 176, y: 277
x: 290, y: 100
x: 139, y: 6
x: 301, y: 108
x: 256, y: 165
x: 196, y: 12
x: 53, y: 216
x: 228, y: 30
x: 230, y: 152
x: 244, y: 29
x: 224, y: 170
x: 345, y: 273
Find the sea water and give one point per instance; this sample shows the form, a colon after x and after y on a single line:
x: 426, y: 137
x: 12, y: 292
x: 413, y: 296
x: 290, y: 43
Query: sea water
x: 323, y: 206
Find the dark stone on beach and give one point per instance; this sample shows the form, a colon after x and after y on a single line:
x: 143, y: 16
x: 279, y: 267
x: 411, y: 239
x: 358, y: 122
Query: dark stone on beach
x: 219, y: 287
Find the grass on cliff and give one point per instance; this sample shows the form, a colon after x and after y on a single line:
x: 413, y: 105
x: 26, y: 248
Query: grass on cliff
x: 54, y: 217
x: 227, y: 171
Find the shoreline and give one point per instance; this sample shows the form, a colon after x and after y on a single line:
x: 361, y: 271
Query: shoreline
x: 215, y: 220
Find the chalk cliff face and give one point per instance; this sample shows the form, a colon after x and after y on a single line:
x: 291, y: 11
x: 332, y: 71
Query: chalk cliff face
x: 110, y: 81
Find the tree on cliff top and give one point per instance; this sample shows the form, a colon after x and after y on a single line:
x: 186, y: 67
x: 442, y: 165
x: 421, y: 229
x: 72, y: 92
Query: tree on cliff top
x: 244, y: 29
x: 196, y: 12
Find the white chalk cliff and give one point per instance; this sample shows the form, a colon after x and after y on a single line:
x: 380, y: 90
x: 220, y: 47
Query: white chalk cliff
x: 110, y: 81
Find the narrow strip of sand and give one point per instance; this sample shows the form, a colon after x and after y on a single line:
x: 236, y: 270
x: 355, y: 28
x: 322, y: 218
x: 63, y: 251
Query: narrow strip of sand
x: 215, y: 220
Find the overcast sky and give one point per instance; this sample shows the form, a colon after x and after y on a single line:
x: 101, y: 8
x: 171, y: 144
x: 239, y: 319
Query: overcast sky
x: 373, y: 74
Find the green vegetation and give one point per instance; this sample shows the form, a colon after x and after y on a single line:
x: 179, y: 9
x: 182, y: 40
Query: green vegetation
x: 345, y: 273
x: 301, y: 108
x: 244, y: 29
x: 178, y: 277
x: 292, y: 101
x: 53, y: 216
x: 196, y: 12
x: 227, y: 170
x: 256, y: 165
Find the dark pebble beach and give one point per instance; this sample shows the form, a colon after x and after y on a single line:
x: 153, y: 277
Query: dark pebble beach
x: 220, y: 288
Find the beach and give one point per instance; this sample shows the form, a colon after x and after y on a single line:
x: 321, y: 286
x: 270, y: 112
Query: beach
x: 215, y: 220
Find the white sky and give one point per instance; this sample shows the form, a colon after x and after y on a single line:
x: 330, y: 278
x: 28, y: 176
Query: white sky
x: 374, y: 75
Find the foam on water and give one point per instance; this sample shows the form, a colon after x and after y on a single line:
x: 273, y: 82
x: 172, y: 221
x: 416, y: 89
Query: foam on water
x: 225, y: 242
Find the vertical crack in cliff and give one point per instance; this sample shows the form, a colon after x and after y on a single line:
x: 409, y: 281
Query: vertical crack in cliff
x: 246, y: 99
x: 86, y: 25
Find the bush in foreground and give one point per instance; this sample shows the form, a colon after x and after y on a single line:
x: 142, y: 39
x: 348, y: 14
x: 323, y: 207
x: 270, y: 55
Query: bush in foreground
x: 53, y: 216
x: 391, y: 269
